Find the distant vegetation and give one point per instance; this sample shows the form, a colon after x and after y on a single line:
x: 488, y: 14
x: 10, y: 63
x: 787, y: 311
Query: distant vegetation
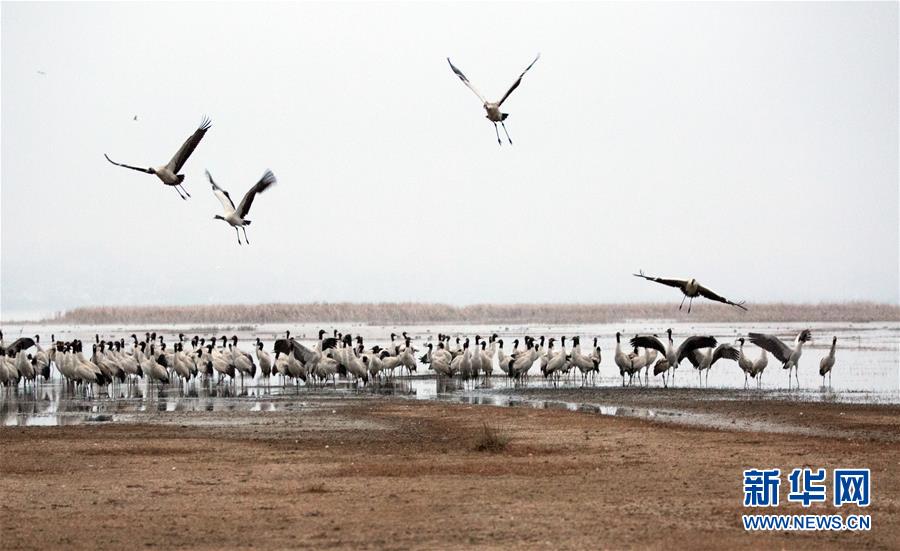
x: 422, y: 313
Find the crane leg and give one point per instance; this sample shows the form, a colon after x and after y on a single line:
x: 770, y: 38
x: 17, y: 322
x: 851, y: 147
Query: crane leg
x: 184, y: 190
x: 179, y: 192
x: 498, y: 134
x: 503, y: 124
x: 690, y: 304
x: 245, y: 235
x: 682, y: 302
x: 238, y: 235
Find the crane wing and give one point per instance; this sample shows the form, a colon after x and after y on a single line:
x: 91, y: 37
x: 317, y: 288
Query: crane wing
x: 262, y: 185
x: 188, y: 147
x: 221, y: 194
x: 23, y: 343
x: 517, y: 82
x: 670, y: 282
x: 725, y: 351
x: 147, y: 170
x: 771, y: 344
x: 695, y: 357
x: 647, y: 341
x: 694, y: 343
x: 301, y: 353
x: 330, y: 342
x: 465, y: 81
x: 704, y: 292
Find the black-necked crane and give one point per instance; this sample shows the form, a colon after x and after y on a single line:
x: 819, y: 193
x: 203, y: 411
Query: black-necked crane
x: 556, y: 360
x: 492, y: 109
x: 8, y: 374
x: 649, y: 359
x: 299, y: 370
x: 62, y: 359
x: 182, y: 365
x: 674, y: 355
x: 265, y: 360
x: 466, y: 371
x: 407, y: 357
x: 826, y: 363
x: 588, y: 365
x: 236, y: 216
x: 487, y: 358
x: 502, y: 358
x: 439, y: 360
x: 168, y: 173
x: 153, y: 365
x: 596, y: 355
x: 691, y: 289
x: 103, y: 359
x: 753, y: 368
x: 390, y: 363
x: 220, y: 363
x: 637, y: 360
x: 41, y: 360
x: 789, y: 357
x: 661, y: 367
x: 624, y: 360
x: 703, y: 361
x: 759, y: 365
x: 356, y: 367
x: 745, y: 363
x: 24, y: 366
x: 522, y: 361
x: 373, y: 364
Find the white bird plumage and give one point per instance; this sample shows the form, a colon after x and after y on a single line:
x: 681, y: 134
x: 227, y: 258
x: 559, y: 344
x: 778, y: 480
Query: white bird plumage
x: 492, y: 108
x: 168, y: 173
x: 236, y: 216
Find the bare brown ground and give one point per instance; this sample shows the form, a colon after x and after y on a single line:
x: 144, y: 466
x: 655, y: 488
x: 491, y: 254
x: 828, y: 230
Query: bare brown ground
x: 398, y: 474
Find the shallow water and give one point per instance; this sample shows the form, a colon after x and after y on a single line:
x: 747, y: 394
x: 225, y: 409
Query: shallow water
x: 56, y: 404
x: 53, y: 404
x: 867, y: 370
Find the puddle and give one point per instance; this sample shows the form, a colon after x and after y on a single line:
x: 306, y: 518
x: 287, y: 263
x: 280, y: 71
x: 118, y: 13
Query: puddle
x: 52, y: 404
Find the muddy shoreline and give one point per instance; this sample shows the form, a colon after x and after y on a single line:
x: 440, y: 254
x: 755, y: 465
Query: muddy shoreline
x: 752, y: 411
x: 353, y: 471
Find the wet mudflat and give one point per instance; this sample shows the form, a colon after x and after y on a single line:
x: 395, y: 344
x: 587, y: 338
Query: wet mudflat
x: 836, y: 415
x: 356, y: 470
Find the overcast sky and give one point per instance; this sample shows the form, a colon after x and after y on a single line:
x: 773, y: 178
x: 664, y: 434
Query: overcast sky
x: 753, y: 146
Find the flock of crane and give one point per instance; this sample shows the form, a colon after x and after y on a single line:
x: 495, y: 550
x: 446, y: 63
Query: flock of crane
x: 348, y: 357
x: 236, y: 216
x: 340, y: 356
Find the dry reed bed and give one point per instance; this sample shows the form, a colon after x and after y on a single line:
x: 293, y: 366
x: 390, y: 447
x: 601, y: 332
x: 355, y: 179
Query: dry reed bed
x: 430, y: 313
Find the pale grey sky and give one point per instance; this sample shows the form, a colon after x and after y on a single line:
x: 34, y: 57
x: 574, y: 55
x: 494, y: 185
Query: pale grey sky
x: 753, y: 146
